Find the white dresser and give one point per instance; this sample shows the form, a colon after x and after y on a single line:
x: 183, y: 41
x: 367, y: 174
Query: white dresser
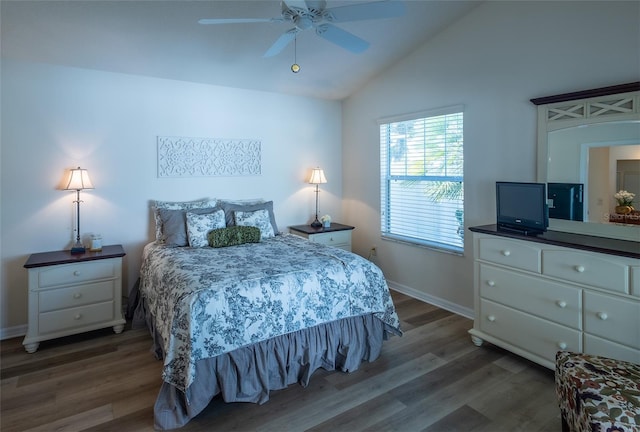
x: 71, y: 294
x: 557, y: 291
x: 337, y: 235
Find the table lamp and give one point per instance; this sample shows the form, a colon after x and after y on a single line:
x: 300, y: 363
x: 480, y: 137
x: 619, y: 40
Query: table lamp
x: 317, y: 177
x: 78, y: 180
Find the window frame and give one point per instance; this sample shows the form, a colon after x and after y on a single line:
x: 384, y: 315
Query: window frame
x: 431, y: 243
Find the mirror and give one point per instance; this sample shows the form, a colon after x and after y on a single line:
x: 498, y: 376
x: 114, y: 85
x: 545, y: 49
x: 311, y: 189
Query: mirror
x: 588, y: 149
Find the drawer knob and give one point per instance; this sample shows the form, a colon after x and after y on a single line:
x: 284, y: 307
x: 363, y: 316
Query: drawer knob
x: 561, y: 304
x: 77, y: 295
x: 562, y: 345
x: 506, y: 252
x: 602, y: 315
x: 491, y: 318
x: 77, y: 317
x: 491, y: 283
x: 580, y: 269
x: 76, y: 273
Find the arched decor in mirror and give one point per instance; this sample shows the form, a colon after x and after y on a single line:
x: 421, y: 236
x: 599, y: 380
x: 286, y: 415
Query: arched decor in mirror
x: 589, y: 149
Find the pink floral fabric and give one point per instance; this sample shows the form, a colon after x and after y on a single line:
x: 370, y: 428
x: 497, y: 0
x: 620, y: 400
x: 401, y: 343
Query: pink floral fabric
x: 598, y: 394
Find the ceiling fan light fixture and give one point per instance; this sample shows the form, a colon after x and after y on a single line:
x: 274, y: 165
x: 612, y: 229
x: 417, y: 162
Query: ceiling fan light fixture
x: 295, y: 67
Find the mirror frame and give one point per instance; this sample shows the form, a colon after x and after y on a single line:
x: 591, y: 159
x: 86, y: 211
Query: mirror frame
x: 605, y: 104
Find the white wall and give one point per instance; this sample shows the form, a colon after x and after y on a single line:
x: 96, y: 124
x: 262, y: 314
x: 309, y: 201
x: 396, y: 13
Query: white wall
x: 492, y: 61
x: 55, y: 118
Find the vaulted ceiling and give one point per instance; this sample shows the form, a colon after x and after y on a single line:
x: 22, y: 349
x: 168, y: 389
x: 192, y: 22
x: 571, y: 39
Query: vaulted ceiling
x: 164, y: 39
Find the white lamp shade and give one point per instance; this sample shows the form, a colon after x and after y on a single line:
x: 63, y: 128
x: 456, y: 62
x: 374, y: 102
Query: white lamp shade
x: 317, y: 176
x: 78, y: 180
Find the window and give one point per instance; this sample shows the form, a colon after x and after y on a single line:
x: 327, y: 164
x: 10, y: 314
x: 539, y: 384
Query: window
x: 421, y: 173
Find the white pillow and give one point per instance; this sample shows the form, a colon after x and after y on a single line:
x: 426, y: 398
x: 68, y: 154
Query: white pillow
x: 199, y: 226
x: 257, y: 218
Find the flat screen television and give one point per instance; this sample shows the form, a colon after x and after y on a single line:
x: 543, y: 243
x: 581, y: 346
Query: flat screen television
x: 522, y: 207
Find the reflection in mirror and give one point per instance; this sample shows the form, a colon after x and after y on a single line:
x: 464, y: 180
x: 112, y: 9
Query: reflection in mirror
x: 589, y: 155
x: 628, y: 175
x: 589, y: 149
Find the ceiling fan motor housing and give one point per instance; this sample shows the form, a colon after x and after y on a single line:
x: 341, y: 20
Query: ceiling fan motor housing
x: 305, y: 19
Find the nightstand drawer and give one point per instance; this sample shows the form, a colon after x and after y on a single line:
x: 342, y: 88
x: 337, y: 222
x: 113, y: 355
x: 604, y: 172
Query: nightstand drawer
x: 74, y: 296
x: 67, y: 274
x: 50, y: 322
x: 70, y: 294
x: 335, y: 238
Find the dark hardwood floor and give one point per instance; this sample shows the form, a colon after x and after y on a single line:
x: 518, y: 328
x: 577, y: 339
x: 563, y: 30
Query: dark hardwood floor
x: 431, y: 379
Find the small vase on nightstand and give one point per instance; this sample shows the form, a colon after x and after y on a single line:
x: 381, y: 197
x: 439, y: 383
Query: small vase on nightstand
x: 624, y: 209
x: 326, y: 221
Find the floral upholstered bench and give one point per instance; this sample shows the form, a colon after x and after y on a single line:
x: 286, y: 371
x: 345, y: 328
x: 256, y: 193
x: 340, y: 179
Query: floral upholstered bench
x: 597, y: 394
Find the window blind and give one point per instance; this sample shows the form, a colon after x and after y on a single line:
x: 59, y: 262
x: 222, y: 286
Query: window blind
x: 422, y: 179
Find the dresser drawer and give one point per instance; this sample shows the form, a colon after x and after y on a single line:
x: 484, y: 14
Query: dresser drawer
x: 67, y: 274
x: 635, y: 281
x: 587, y: 268
x: 519, y: 255
x: 334, y: 238
x: 74, y: 296
x: 530, y: 333
x: 606, y: 348
x: 613, y: 318
x: 546, y: 299
x: 50, y: 322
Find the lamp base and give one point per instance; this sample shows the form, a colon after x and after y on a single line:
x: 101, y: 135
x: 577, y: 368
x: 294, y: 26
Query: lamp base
x: 78, y: 249
x: 316, y: 223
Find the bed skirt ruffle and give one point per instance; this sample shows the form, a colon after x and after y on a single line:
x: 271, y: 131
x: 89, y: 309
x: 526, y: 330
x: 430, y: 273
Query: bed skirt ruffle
x: 249, y: 373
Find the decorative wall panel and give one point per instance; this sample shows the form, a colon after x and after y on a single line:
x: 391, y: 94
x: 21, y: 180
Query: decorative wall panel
x: 207, y: 157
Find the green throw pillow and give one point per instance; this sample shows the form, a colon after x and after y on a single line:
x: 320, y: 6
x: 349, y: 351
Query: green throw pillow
x: 233, y: 235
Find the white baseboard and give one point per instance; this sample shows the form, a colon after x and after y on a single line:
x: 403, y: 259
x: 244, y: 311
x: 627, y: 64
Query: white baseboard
x: 436, y: 301
x: 12, y: 332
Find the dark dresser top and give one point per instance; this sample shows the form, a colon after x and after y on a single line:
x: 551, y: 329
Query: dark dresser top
x: 308, y: 229
x: 65, y: 257
x: 625, y: 248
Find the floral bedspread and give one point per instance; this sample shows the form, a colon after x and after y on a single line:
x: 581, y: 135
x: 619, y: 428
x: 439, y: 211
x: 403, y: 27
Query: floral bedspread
x: 209, y: 301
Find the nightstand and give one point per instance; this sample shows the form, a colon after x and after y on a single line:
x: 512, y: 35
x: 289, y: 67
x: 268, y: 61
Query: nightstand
x: 71, y: 294
x: 337, y: 235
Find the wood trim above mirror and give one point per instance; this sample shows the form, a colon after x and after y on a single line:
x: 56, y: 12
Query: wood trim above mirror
x: 602, y: 91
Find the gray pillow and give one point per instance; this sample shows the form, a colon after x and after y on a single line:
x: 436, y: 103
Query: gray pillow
x: 174, y: 224
x: 230, y: 208
x: 177, y: 205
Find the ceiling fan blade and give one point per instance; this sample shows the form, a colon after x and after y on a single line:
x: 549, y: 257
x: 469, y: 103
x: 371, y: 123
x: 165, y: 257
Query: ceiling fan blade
x: 280, y: 44
x: 237, y: 20
x: 366, y: 11
x: 342, y: 38
x: 297, y: 4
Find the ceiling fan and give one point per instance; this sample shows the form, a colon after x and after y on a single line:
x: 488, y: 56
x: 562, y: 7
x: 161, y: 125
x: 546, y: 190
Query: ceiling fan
x: 314, y: 14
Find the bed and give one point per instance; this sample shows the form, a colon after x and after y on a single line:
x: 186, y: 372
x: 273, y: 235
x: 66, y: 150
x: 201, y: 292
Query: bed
x: 247, y: 317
